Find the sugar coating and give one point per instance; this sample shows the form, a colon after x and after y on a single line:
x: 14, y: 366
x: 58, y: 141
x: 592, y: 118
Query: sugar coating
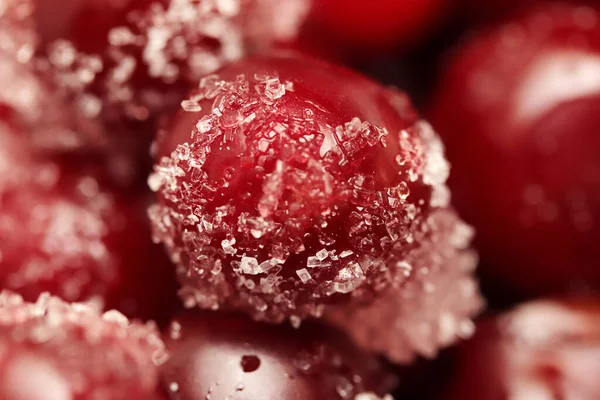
x: 16, y: 29
x: 61, y: 232
x: 274, y: 206
x: 75, y: 351
x: 431, y: 311
x: 148, y: 61
x: 58, y: 241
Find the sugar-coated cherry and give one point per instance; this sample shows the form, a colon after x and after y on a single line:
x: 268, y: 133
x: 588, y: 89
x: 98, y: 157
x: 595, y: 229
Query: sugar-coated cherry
x: 546, y: 349
x: 75, y: 235
x: 220, y: 355
x: 378, y: 24
x: 126, y: 62
x: 517, y: 107
x: 60, y: 351
x: 288, y: 184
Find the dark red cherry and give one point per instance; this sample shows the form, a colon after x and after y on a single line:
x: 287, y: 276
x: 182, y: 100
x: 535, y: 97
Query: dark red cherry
x: 220, y: 355
x: 76, y: 235
x: 288, y: 184
x: 546, y: 349
x: 58, y: 351
x: 127, y: 61
x: 376, y: 25
x: 517, y: 107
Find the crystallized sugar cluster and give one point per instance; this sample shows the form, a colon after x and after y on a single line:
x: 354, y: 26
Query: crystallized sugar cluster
x: 432, y: 310
x: 147, y: 63
x: 61, y: 232
x: 274, y: 206
x: 58, y: 241
x: 108, y: 358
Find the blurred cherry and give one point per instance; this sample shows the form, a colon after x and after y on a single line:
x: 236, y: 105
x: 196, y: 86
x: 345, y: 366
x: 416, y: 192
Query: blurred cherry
x: 371, y: 26
x: 66, y: 228
x: 73, y: 352
x: 547, y: 349
x: 517, y: 107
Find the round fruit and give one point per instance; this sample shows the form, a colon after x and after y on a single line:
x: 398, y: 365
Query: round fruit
x: 517, y: 109
x: 287, y: 184
x: 74, y: 352
x: 379, y: 24
x: 219, y: 355
x: 546, y: 349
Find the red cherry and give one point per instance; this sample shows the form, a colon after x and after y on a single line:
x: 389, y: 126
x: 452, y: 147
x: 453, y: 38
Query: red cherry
x: 76, y: 236
x: 290, y: 184
x: 127, y: 61
x: 517, y: 108
x: 545, y: 349
x: 379, y: 24
x: 218, y: 355
x: 73, y: 352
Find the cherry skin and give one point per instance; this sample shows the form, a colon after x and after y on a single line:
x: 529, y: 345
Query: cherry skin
x: 74, y: 352
x: 545, y: 349
x: 517, y: 109
x: 288, y: 184
x: 376, y: 25
x: 220, y: 355
x: 494, y: 9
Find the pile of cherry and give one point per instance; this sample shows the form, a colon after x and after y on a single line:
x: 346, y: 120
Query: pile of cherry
x: 198, y: 201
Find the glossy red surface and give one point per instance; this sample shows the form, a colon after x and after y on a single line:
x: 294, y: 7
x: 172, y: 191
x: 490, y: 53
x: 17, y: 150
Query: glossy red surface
x: 378, y: 24
x: 58, y: 351
x: 220, y: 355
x: 546, y: 349
x: 517, y: 107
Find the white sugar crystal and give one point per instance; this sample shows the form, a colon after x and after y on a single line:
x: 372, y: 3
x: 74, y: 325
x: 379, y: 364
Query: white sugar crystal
x: 205, y: 124
x: 346, y: 253
x: 227, y: 246
x: 313, y: 262
x: 190, y: 106
x: 250, y: 266
x: 322, y: 254
x: 304, y: 275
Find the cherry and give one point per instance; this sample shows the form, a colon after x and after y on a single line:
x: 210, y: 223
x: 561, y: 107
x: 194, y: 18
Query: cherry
x: 545, y: 349
x: 220, y: 355
x: 517, y: 109
x: 76, y: 235
x: 73, y: 352
x: 287, y: 184
x: 124, y: 63
x: 375, y: 25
